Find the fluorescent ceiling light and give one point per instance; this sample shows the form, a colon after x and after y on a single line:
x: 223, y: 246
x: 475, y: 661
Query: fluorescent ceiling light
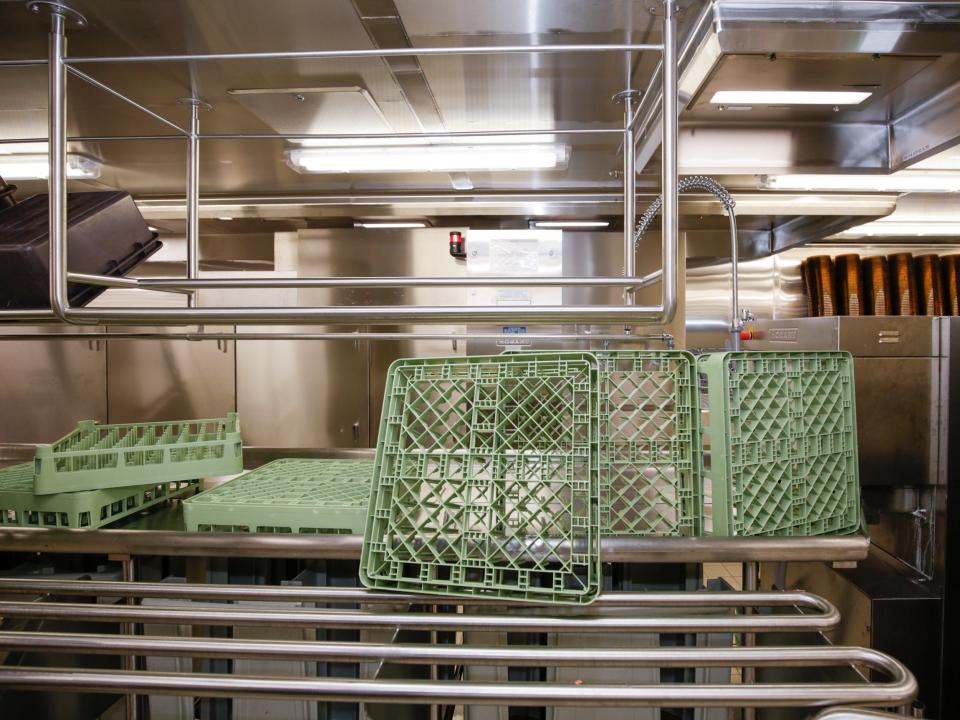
x: 788, y: 97
x: 903, y: 181
x: 427, y: 158
x: 571, y: 224
x: 35, y: 166
x: 426, y: 141
x: 389, y: 225
x: 879, y: 228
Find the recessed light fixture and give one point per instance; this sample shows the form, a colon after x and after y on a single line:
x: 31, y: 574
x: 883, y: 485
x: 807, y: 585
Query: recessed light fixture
x: 569, y: 224
x: 35, y: 166
x: 903, y: 181
x: 427, y: 158
x: 390, y: 225
x: 789, y: 97
x: 879, y: 228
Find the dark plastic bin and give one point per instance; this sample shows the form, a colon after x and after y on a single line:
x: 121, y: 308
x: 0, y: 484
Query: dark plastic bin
x: 106, y: 235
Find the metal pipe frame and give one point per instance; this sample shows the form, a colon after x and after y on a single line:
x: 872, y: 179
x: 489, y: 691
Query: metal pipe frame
x: 901, y: 689
x: 242, y: 283
x: 358, y: 619
x: 354, y: 336
x: 375, y: 53
x: 849, y: 713
x: 117, y: 282
x: 424, y: 654
x: 193, y: 197
x: 796, y: 599
x: 452, y: 134
x: 348, y: 547
x: 629, y: 192
x: 58, y: 63
x: 120, y: 96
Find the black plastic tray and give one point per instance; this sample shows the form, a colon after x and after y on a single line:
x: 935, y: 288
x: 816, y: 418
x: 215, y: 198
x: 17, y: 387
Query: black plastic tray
x: 106, y: 235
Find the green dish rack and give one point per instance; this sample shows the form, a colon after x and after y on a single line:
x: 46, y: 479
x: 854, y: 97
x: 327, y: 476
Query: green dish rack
x: 781, y: 435
x: 99, y: 457
x: 649, y: 443
x: 486, y: 481
x: 88, y: 509
x: 287, y: 496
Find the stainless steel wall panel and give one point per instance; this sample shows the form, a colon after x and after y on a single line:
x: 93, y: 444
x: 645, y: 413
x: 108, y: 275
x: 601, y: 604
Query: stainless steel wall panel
x: 293, y: 393
x: 167, y: 379
x: 47, y: 387
x: 171, y: 379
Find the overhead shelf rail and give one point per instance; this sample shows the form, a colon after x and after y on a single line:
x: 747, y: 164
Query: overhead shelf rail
x: 59, y: 65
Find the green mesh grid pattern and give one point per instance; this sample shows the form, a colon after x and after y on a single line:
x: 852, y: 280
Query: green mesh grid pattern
x: 782, y: 440
x: 287, y: 496
x: 486, y: 481
x: 89, y: 509
x: 98, y: 457
x: 649, y: 443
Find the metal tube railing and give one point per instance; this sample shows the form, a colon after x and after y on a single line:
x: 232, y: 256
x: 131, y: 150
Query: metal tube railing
x: 193, y: 196
x: 332, y: 547
x: 849, y: 713
x: 375, y: 53
x: 355, y: 619
x: 424, y: 654
x: 440, y: 134
x: 796, y: 599
x: 239, y: 282
x: 364, y: 315
x: 901, y: 689
x: 353, y: 336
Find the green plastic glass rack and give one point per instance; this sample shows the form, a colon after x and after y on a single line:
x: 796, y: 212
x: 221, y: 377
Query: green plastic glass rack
x: 287, y: 496
x: 649, y: 443
x: 486, y: 481
x: 781, y: 435
x: 98, y: 457
x: 88, y: 509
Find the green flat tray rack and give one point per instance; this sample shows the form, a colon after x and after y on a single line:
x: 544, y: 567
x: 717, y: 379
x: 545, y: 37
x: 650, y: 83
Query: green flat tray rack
x: 322, y: 496
x: 649, y: 443
x: 486, y: 480
x: 782, y: 439
x: 88, y: 509
x: 99, y: 457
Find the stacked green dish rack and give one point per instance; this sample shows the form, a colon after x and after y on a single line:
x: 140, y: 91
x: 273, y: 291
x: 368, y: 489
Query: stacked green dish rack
x: 99, y: 457
x: 83, y: 510
x: 497, y: 476
x: 486, y: 481
x: 781, y: 436
x: 287, y: 496
x: 649, y: 443
x: 99, y: 474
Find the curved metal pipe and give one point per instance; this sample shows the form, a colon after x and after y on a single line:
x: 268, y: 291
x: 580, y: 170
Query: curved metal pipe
x: 897, y: 692
x: 236, y: 616
x: 337, y: 596
x: 849, y: 713
x: 702, y: 182
x: 331, y: 547
x: 423, y: 654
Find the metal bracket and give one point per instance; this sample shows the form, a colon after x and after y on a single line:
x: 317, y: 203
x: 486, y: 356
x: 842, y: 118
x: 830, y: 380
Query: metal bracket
x: 58, y: 8
x: 623, y: 95
x: 195, y: 102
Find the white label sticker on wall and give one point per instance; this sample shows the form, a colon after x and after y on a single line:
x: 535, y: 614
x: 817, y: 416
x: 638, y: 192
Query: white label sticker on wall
x: 533, y: 253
